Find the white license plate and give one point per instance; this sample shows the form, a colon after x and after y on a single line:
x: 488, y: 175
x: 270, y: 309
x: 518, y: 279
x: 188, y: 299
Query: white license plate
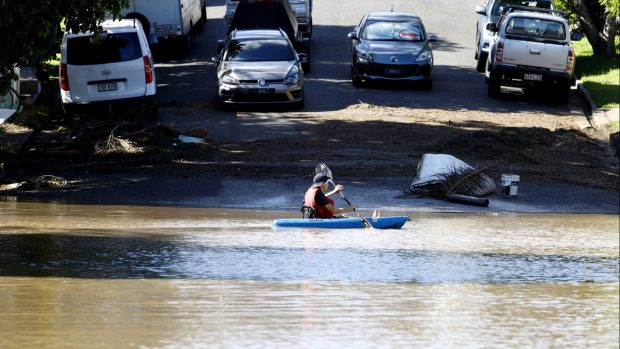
x: 109, y: 86
x: 532, y: 77
x: 163, y: 28
x: 262, y: 91
x: 393, y: 71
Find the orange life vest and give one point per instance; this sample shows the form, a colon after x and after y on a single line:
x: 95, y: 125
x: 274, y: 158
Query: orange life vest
x: 319, y: 211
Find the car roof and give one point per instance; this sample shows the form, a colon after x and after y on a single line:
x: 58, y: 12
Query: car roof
x: 529, y: 14
x: 119, y: 26
x: 390, y: 16
x: 258, y: 34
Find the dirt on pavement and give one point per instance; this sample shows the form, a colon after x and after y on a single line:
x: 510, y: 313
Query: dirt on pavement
x: 360, y: 141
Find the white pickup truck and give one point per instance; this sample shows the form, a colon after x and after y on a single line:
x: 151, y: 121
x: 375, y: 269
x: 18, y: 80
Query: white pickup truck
x: 532, y: 50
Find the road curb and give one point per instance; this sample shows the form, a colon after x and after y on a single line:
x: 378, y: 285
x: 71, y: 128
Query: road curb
x: 600, y: 118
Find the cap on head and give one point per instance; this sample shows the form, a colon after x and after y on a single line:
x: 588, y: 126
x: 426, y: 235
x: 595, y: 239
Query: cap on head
x: 320, y: 179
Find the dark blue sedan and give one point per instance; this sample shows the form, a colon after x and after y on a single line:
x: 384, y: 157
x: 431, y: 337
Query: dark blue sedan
x: 391, y: 46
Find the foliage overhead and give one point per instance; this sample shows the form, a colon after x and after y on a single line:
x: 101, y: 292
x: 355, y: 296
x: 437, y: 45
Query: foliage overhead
x: 597, y: 19
x: 28, y: 28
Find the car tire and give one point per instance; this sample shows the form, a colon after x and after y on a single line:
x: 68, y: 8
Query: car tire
x: 563, y: 93
x: 306, y: 67
x: 482, y: 62
x: 494, y: 87
x: 355, y: 79
x: 300, y: 104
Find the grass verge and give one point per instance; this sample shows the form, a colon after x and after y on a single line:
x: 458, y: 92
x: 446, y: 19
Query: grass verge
x: 600, y: 75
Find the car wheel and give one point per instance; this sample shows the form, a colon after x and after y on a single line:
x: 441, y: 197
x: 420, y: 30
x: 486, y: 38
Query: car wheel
x: 482, y: 61
x: 563, y: 93
x: 494, y: 87
x: 300, y: 104
x: 186, y: 42
x: 306, y: 66
x: 355, y: 79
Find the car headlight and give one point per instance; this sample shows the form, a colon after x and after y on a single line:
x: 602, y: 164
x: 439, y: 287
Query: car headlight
x: 292, y: 77
x: 424, y: 56
x: 230, y: 79
x: 364, y: 57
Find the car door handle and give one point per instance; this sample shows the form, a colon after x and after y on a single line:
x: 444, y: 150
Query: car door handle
x: 534, y: 52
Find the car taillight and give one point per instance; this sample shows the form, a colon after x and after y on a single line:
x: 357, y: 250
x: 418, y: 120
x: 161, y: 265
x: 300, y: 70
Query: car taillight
x: 499, y: 51
x: 148, y: 70
x: 64, y: 78
x: 570, y: 61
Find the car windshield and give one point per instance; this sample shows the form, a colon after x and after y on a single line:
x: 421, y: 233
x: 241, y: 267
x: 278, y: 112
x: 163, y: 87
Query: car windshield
x: 256, y: 50
x: 103, y: 49
x: 538, y: 28
x: 297, y: 1
x: 393, y: 31
x: 546, y: 4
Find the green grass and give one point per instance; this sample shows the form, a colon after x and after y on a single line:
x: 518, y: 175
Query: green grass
x: 600, y: 75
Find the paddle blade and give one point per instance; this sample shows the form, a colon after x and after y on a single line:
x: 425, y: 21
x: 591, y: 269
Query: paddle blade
x: 322, y: 168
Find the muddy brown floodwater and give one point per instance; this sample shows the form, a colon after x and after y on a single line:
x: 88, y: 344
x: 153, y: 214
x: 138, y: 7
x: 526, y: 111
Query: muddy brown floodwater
x: 92, y: 276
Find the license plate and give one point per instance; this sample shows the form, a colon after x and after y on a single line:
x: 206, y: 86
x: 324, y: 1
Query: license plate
x: 109, y: 86
x: 394, y: 71
x: 262, y: 91
x: 163, y: 28
x: 532, y: 77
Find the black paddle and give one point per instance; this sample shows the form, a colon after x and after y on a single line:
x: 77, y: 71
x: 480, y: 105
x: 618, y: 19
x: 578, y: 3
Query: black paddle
x: 322, y: 168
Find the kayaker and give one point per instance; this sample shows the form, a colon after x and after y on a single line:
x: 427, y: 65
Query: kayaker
x: 317, y: 203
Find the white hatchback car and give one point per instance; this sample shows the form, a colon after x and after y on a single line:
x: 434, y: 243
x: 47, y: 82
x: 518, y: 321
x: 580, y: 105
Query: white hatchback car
x: 109, y: 72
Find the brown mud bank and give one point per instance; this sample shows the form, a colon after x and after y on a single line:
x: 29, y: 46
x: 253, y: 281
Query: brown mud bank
x: 361, y: 141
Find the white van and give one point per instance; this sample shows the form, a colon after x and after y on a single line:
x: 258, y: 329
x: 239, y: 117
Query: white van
x: 109, y: 69
x: 168, y: 19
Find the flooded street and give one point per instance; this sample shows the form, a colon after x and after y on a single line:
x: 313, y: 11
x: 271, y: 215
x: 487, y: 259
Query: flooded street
x: 76, y: 276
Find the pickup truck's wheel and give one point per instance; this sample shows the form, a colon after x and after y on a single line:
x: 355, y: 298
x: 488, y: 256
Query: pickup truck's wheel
x: 563, y: 93
x: 482, y: 62
x: 494, y: 85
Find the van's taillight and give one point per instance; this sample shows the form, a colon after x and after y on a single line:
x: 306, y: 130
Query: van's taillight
x: 570, y: 61
x: 148, y: 70
x: 64, y: 78
x: 499, y: 51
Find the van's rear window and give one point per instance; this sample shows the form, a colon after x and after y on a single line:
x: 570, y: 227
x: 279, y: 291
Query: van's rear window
x: 110, y: 48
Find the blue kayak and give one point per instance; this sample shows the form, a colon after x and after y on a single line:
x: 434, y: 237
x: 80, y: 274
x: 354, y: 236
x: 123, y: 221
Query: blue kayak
x: 395, y: 222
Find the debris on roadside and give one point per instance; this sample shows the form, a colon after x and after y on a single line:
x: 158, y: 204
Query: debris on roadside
x: 39, y: 182
x: 445, y: 176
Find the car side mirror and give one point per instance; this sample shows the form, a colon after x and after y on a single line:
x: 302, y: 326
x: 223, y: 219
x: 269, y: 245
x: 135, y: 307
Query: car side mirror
x: 574, y: 36
x: 216, y: 59
x: 433, y: 38
x: 492, y: 27
x: 481, y: 10
x: 352, y: 35
x: 302, y: 57
x: 220, y: 45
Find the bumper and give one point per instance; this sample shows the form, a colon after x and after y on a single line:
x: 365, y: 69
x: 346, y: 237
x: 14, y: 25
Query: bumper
x: 512, y: 75
x: 377, y: 71
x: 254, y: 94
x: 116, y: 106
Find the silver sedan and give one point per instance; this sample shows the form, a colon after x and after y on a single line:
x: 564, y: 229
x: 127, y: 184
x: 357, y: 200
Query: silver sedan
x: 259, y: 66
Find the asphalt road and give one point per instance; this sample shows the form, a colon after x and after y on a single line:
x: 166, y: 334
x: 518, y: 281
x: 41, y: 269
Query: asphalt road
x: 187, y: 82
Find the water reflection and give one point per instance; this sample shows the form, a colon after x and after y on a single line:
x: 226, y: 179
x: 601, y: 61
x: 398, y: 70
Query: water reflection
x: 171, y: 257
